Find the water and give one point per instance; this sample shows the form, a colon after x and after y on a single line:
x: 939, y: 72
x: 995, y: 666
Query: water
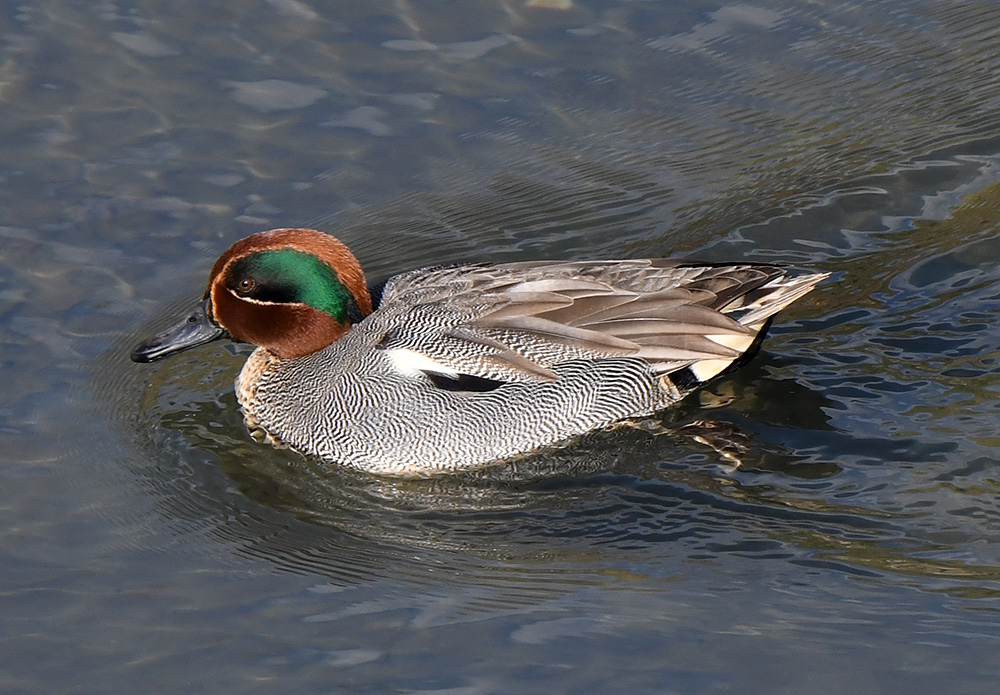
x: 152, y: 546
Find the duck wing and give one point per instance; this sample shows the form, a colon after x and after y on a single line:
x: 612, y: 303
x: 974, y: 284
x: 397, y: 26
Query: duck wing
x: 514, y: 321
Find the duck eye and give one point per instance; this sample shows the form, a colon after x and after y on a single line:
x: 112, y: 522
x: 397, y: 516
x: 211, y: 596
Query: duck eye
x: 245, y: 286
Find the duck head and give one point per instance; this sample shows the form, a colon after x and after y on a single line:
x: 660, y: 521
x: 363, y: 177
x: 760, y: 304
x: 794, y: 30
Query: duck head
x: 289, y: 291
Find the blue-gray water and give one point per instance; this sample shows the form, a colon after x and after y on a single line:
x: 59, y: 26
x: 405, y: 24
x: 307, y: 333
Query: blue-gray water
x: 150, y: 546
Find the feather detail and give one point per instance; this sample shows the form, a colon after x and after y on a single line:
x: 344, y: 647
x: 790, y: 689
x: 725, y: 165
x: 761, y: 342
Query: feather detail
x: 552, y: 331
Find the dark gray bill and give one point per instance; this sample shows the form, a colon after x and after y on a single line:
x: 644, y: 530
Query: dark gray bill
x: 196, y: 329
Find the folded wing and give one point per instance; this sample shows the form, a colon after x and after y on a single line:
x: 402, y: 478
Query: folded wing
x: 513, y: 322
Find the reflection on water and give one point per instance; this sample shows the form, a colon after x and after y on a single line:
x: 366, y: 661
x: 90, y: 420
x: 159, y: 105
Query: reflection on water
x: 855, y: 545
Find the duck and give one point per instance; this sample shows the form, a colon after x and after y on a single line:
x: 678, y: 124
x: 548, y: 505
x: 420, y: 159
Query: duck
x: 456, y: 367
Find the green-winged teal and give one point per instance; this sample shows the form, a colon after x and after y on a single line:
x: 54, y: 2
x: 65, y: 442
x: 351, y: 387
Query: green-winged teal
x: 463, y: 365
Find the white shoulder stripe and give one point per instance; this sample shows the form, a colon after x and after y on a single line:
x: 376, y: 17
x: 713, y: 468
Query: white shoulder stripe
x: 412, y: 363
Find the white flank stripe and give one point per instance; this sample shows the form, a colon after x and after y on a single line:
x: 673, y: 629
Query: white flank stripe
x: 413, y: 363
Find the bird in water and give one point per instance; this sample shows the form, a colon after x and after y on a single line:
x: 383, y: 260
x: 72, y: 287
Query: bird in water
x: 455, y: 367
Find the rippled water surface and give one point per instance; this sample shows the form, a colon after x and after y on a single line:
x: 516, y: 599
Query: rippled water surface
x: 825, y: 520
